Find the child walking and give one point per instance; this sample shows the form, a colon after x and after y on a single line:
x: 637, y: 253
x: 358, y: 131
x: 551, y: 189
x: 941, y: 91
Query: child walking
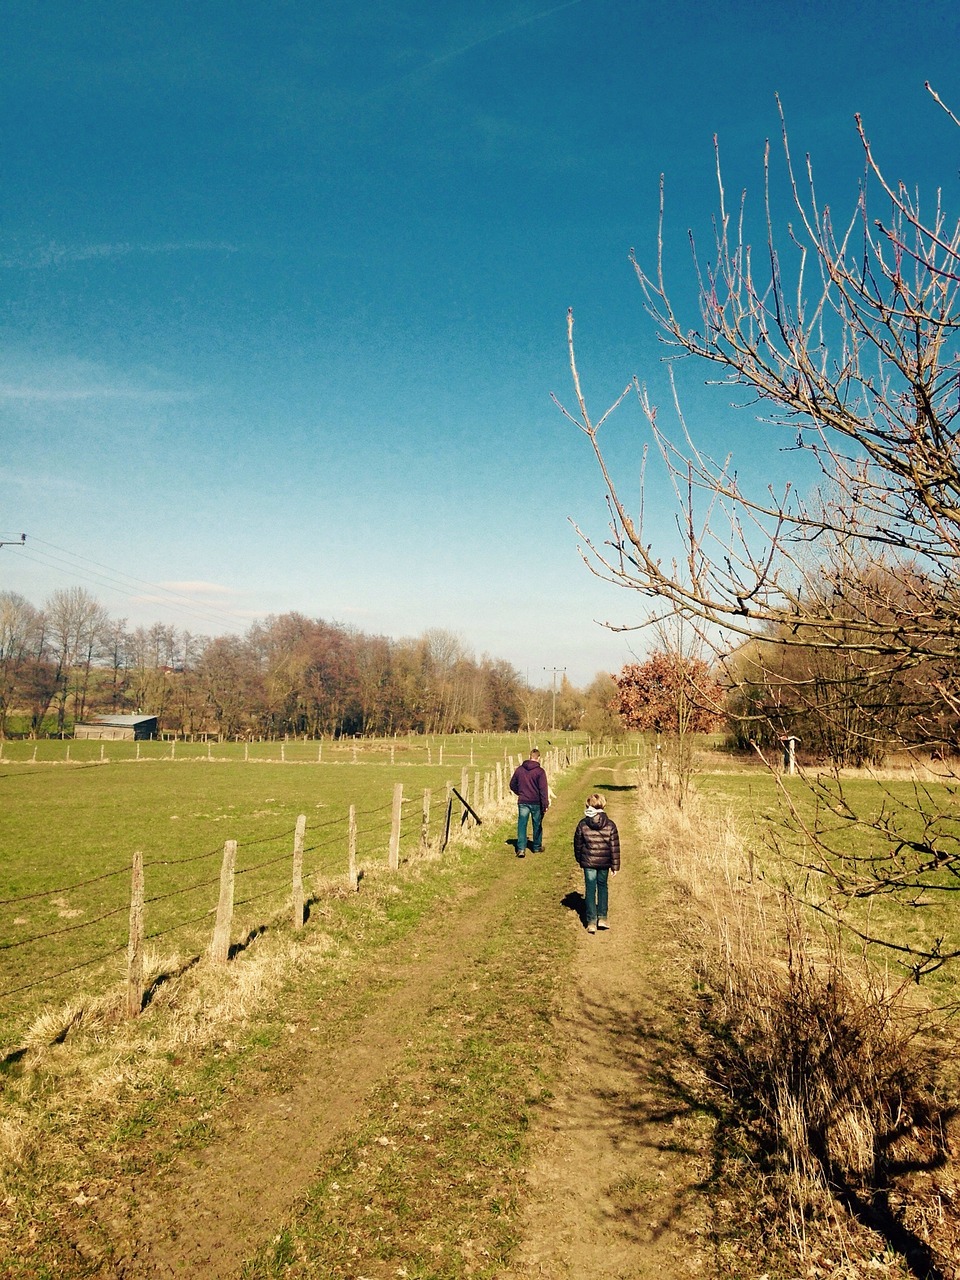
x: 596, y: 847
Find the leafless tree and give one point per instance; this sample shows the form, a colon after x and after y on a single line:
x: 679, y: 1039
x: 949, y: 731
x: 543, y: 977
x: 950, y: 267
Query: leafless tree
x: 19, y: 640
x: 115, y: 649
x: 75, y: 623
x: 846, y: 338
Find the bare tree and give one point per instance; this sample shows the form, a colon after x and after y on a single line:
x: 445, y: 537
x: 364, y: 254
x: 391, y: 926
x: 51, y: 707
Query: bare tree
x: 115, y: 651
x: 19, y: 634
x: 847, y: 339
x: 75, y: 623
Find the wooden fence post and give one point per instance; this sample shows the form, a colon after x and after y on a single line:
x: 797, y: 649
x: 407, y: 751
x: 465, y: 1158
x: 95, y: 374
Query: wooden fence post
x: 220, y: 949
x: 135, y: 941
x: 425, y: 820
x: 446, y: 825
x: 352, y: 877
x: 298, y: 871
x: 394, y: 858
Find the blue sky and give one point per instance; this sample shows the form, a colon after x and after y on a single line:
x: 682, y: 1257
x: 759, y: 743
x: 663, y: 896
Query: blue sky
x: 284, y: 286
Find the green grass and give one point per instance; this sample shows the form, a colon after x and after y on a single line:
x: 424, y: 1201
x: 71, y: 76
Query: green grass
x: 452, y: 750
x: 782, y: 853
x: 69, y: 827
x: 439, y: 1149
x: 430, y: 1182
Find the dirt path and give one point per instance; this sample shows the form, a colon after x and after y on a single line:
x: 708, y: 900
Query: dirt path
x: 206, y: 1215
x: 620, y: 1149
x: 615, y: 1155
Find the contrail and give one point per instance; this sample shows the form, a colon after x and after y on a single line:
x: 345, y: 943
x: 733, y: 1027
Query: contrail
x: 495, y: 35
x: 444, y: 58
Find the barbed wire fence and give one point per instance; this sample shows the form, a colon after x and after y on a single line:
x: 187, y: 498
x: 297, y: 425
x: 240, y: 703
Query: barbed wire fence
x: 290, y: 868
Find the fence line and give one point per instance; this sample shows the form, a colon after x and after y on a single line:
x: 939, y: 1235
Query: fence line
x: 48, y: 893
x: 480, y: 796
x: 420, y: 750
x: 62, y: 973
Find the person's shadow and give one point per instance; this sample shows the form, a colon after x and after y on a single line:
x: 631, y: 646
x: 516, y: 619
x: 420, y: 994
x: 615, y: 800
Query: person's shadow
x: 574, y: 901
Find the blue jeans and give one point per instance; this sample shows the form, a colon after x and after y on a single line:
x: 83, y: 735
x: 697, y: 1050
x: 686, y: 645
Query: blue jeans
x: 595, y: 892
x: 525, y: 811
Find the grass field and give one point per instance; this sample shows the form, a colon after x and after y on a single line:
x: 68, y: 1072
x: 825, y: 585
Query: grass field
x: 473, y: 1041
x: 420, y: 1015
x: 886, y: 809
x: 73, y: 813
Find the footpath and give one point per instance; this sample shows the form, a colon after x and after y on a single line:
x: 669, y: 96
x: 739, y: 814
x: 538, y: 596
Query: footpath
x: 619, y: 1152
x: 498, y: 1094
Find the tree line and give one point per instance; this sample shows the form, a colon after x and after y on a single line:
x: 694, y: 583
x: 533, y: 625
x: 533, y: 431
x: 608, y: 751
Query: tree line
x: 294, y: 675
x: 287, y: 675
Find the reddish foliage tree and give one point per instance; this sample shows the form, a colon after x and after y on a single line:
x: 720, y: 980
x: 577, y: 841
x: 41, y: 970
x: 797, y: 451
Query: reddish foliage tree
x: 669, y: 693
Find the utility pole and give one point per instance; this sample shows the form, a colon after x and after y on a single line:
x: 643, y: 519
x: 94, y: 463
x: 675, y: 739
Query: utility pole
x: 553, y: 717
x: 19, y: 542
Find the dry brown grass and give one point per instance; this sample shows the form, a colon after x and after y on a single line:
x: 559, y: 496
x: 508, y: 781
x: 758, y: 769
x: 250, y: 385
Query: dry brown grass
x: 85, y: 1068
x: 827, y: 1075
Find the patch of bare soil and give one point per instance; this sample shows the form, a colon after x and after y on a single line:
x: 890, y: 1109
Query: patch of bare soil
x: 622, y: 1150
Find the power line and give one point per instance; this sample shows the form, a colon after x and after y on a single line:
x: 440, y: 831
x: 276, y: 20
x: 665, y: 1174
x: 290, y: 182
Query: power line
x: 62, y: 560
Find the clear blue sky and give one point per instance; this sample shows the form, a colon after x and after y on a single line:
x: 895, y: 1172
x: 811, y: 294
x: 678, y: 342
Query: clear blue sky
x: 284, y: 285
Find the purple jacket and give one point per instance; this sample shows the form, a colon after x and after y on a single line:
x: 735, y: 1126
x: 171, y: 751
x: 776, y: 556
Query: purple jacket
x: 529, y: 784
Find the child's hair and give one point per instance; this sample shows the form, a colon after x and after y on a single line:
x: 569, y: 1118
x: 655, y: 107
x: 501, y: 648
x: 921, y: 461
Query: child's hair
x: 596, y: 801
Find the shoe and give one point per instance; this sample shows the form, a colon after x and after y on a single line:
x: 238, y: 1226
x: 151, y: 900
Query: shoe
x: 536, y: 851
x: 521, y: 853
x: 602, y: 924
x: 591, y: 927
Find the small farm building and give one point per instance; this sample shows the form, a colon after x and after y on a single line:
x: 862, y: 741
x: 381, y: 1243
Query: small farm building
x: 118, y: 728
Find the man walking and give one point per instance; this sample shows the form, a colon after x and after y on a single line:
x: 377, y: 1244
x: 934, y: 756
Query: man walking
x: 529, y: 785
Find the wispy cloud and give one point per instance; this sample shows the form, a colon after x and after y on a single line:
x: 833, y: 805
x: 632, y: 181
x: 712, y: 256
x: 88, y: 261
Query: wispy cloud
x: 515, y: 25
x: 50, y: 482
x: 28, y: 380
x: 61, y: 395
x: 55, y: 254
x: 486, y: 37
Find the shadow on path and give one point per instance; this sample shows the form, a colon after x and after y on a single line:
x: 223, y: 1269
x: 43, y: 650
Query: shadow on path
x: 642, y: 1097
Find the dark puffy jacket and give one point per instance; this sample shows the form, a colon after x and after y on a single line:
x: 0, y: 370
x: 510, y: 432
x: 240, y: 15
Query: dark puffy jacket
x: 529, y: 784
x: 596, y: 842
